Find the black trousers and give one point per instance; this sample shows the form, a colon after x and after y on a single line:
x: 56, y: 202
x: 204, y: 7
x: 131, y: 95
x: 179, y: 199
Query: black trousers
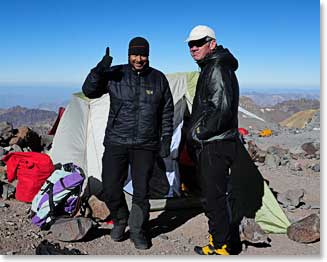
x: 115, y: 162
x: 214, y: 162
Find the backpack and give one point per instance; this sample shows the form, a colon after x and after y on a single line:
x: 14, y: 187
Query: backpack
x: 31, y: 169
x: 59, y: 196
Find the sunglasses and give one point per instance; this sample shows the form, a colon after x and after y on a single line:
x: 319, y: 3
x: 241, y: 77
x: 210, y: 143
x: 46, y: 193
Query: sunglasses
x: 199, y: 43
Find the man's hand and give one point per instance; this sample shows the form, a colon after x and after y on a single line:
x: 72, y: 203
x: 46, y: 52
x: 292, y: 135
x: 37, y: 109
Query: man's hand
x: 165, y: 147
x: 105, y: 63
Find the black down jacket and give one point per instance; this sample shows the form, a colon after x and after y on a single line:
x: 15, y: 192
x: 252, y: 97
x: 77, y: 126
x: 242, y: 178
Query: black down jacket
x: 215, y: 105
x: 141, y: 105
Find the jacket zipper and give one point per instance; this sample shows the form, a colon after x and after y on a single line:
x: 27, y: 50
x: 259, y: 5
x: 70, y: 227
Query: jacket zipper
x: 137, y: 108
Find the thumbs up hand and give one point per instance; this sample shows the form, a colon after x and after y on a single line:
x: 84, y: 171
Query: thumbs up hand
x: 105, y: 63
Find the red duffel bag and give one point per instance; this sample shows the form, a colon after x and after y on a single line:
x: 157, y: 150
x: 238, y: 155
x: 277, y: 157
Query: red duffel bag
x: 31, y: 170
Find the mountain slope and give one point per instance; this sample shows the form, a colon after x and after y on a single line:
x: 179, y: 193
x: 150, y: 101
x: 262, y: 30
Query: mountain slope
x: 299, y: 119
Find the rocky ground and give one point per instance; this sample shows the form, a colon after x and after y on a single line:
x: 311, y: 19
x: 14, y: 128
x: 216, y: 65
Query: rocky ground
x: 176, y: 232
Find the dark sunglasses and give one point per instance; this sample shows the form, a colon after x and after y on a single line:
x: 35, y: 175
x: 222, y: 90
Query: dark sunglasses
x: 199, y: 43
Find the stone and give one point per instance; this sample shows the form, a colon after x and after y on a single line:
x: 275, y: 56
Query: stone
x: 5, y: 130
x: 309, y: 148
x: 276, y: 150
x: 2, y: 205
x: 296, y: 166
x: 272, y: 161
x: 291, y: 198
x: 306, y: 230
x: 316, y: 168
x: 284, y: 161
x: 98, y: 208
x: 164, y: 237
x: 250, y: 231
x: 255, y: 152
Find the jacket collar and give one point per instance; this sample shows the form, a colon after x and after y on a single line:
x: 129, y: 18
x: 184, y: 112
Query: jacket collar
x: 146, y: 70
x: 209, y: 57
x: 222, y: 55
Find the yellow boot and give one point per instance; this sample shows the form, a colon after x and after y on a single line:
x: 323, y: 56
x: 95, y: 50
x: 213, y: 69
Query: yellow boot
x: 210, y: 249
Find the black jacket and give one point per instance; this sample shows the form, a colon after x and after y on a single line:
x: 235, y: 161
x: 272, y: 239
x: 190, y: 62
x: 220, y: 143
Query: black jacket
x: 141, y: 105
x: 215, y: 105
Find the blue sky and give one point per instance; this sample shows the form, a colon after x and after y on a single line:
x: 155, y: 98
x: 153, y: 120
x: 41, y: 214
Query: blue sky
x: 53, y: 43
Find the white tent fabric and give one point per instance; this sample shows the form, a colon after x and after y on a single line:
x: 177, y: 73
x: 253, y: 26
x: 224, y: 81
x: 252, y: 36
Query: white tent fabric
x: 80, y: 134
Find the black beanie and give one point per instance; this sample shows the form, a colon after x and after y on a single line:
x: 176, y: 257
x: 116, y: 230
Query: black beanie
x: 138, y: 46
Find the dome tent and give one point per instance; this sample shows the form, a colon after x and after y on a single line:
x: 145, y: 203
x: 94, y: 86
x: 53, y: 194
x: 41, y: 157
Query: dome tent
x: 79, y: 139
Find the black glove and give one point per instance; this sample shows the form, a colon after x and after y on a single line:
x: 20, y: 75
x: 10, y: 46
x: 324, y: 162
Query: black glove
x: 165, y: 147
x: 104, y: 64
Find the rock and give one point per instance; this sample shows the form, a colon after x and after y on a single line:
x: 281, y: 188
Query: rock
x: 276, y: 150
x: 46, y: 141
x: 291, y: 198
x: 296, y: 166
x: 306, y: 230
x: 7, y: 191
x: 16, y: 148
x: 98, y: 208
x: 316, y: 144
x: 272, y: 161
x: 2, y: 205
x: 316, y: 167
x: 71, y: 229
x: 306, y: 206
x: 310, y: 156
x: 251, y: 232
x: 297, y: 173
x: 26, y: 137
x: 255, y: 152
x: 296, y: 150
x: 2, y: 152
x: 186, y: 249
x: 284, y: 161
x: 5, y: 130
x: 163, y: 236
x: 309, y: 148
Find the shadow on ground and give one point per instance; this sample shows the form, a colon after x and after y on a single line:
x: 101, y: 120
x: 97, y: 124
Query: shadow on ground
x: 170, y: 220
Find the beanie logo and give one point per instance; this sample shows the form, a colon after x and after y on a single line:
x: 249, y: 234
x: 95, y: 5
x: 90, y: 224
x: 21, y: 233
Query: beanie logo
x: 149, y: 92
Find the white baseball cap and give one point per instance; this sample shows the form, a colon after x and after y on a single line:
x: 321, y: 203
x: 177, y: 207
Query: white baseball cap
x: 200, y: 32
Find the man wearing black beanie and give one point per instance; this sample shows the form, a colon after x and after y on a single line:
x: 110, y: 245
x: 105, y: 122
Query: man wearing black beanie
x: 139, y: 127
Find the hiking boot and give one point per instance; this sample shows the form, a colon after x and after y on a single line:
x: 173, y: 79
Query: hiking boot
x: 211, y: 250
x: 140, y: 241
x: 118, y: 231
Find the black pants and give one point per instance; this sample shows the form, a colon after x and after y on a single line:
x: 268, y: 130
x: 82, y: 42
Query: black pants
x: 115, y: 162
x: 214, y: 163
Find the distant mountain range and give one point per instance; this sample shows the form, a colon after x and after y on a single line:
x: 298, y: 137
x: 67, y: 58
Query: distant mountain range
x: 39, y: 120
x: 273, y: 96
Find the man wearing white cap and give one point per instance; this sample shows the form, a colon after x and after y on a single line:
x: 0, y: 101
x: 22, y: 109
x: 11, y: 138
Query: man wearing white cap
x: 214, y: 132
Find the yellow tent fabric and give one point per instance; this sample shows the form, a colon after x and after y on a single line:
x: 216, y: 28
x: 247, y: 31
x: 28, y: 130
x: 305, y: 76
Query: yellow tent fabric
x: 191, y: 79
x: 266, y: 132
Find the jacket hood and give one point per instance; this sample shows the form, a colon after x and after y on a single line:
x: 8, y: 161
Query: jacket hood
x: 223, y: 56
